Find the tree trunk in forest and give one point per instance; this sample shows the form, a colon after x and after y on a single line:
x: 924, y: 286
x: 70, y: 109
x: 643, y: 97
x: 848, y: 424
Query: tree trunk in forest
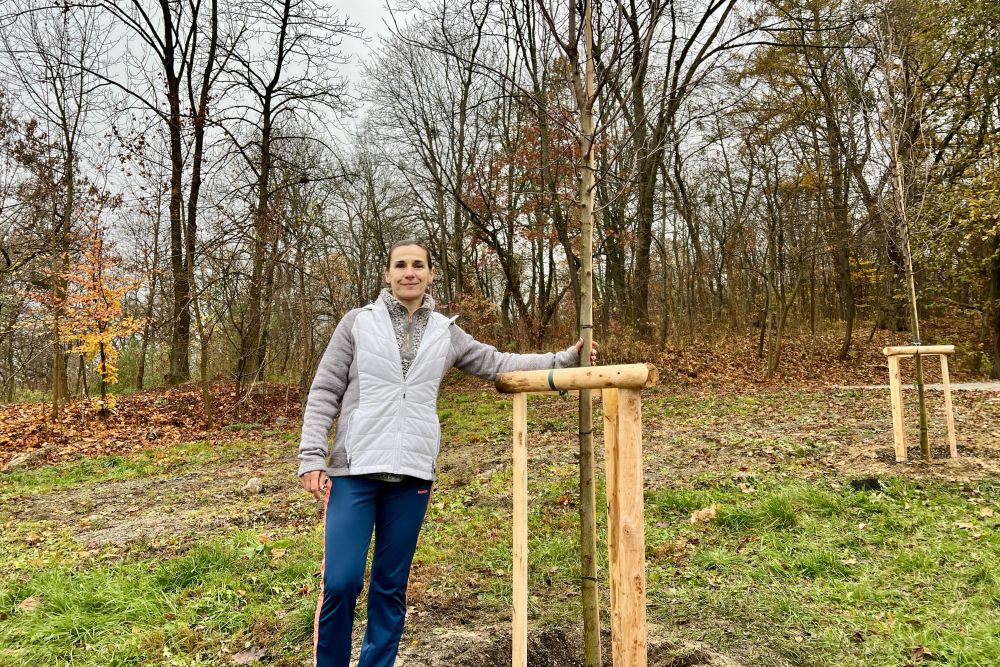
x: 58, y: 397
x: 180, y: 335
x: 83, y: 373
x: 191, y: 227
x: 63, y: 226
x: 204, y: 339
x: 147, y: 327
x: 994, y: 288
x: 250, y: 364
x: 841, y: 231
x: 647, y: 170
x: 105, y: 410
x: 268, y: 302
x: 895, y: 313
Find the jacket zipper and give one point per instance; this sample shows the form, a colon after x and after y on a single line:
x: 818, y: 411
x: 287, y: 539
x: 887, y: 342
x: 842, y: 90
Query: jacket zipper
x: 399, y: 425
x: 409, y: 332
x: 402, y: 398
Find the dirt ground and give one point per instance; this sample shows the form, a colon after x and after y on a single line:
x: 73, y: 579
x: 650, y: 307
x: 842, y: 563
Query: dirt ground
x: 168, y: 511
x: 491, y: 647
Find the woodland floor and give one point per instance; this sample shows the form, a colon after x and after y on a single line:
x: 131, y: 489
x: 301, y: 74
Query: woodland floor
x: 780, y: 531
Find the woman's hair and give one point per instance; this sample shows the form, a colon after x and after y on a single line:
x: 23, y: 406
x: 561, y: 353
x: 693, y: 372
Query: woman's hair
x: 405, y: 242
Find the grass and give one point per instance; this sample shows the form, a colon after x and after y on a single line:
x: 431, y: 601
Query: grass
x: 822, y: 575
x: 223, y: 595
x: 789, y: 570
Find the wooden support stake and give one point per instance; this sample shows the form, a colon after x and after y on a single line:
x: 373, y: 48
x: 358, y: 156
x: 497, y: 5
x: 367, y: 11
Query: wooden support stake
x: 609, y: 400
x: 519, y: 631
x: 631, y: 588
x: 896, y: 398
x: 949, y: 414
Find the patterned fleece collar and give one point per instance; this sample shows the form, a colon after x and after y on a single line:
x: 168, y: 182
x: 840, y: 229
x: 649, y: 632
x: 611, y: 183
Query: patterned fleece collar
x: 409, y: 331
x: 393, y: 304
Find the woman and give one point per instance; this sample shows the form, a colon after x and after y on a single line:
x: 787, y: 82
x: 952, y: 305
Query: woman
x: 381, y: 371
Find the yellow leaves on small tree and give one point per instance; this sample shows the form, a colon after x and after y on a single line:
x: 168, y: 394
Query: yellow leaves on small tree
x: 93, y: 312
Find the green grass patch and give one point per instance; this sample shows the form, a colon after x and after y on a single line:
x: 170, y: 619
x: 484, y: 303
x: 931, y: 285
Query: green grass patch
x: 240, y: 426
x: 222, y: 594
x: 820, y: 574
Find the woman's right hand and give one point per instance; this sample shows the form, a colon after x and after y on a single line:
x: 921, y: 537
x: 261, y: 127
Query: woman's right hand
x: 315, y: 482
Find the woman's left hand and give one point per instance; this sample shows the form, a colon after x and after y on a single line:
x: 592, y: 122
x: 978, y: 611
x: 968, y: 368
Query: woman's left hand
x: 593, y: 350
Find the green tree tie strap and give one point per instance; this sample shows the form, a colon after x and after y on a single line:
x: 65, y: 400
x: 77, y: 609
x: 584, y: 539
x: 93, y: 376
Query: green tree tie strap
x: 552, y: 383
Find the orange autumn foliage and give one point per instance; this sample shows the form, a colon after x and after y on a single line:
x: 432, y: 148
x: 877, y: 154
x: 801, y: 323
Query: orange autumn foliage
x: 92, y: 310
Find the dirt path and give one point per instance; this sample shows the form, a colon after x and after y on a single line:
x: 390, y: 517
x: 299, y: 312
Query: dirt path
x: 955, y: 386
x: 167, y: 512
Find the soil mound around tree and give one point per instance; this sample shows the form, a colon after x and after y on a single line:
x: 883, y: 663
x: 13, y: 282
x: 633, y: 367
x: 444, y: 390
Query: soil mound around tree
x: 553, y: 647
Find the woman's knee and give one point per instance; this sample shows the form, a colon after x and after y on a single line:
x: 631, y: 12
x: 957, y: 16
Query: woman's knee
x: 341, y: 585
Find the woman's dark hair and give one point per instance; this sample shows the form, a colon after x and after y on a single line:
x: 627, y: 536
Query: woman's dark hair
x: 410, y: 241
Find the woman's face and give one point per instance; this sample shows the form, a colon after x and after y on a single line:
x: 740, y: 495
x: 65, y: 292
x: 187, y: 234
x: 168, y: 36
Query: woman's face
x: 408, y: 274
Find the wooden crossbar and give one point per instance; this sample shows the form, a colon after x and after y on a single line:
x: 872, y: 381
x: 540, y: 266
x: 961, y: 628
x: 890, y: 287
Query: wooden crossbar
x: 914, y: 349
x: 635, y: 376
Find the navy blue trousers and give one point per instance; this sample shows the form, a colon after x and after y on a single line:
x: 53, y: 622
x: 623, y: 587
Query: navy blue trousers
x: 356, y: 506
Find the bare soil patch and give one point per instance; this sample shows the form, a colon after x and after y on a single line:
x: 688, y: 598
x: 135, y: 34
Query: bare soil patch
x: 554, y: 647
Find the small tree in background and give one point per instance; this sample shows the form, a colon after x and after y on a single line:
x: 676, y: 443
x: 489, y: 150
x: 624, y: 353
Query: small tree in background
x: 92, y: 311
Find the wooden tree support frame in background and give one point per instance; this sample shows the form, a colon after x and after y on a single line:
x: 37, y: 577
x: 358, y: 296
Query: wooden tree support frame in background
x: 621, y: 388
x: 896, y: 393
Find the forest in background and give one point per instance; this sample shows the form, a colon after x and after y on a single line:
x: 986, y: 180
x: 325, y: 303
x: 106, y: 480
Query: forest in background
x: 196, y: 190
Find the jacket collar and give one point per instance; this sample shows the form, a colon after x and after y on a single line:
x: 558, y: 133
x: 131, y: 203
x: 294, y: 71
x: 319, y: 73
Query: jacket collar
x: 393, y: 305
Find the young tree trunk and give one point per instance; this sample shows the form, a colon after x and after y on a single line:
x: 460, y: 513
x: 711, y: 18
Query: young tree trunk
x: 105, y: 409
x: 588, y: 498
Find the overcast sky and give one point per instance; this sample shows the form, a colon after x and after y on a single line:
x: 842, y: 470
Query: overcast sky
x: 371, y: 16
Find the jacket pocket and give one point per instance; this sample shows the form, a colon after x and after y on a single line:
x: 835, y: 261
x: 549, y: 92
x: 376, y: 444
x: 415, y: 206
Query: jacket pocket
x: 347, y: 435
x: 436, y: 446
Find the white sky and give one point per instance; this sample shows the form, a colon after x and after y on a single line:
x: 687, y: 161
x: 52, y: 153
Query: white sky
x: 371, y: 16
